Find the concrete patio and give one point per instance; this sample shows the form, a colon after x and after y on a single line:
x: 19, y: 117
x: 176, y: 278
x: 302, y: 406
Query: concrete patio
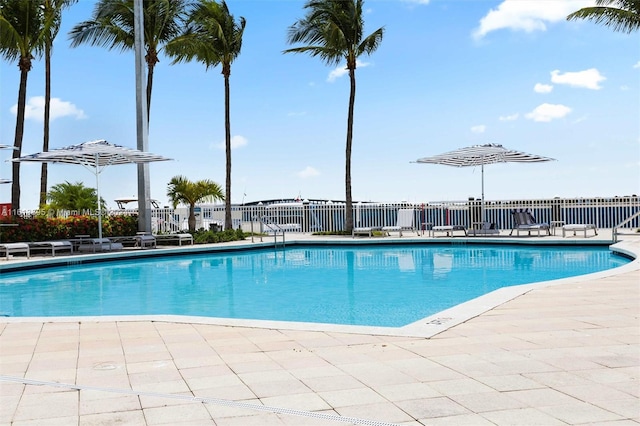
x: 558, y: 354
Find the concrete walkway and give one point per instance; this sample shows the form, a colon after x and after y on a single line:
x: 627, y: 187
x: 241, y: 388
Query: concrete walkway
x: 557, y: 355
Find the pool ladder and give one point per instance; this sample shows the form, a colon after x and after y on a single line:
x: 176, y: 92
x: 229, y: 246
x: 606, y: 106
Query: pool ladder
x: 277, y: 230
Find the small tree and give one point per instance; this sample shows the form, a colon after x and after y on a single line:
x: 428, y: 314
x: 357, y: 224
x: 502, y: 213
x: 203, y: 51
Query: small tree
x: 73, y: 196
x: 182, y: 190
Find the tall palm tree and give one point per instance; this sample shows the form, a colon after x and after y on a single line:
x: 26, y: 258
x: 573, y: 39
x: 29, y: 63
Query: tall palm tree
x: 182, y: 190
x: 53, y: 16
x: 22, y: 34
x: 621, y: 15
x: 213, y: 37
x: 112, y: 26
x: 333, y: 31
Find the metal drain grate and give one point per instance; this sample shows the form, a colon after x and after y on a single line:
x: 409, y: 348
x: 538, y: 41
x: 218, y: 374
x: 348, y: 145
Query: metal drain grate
x: 216, y: 401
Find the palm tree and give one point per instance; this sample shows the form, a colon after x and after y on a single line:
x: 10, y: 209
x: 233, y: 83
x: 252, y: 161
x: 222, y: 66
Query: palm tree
x: 53, y: 17
x: 112, y: 26
x: 333, y: 31
x: 182, y: 190
x: 22, y: 34
x: 213, y: 37
x: 73, y: 196
x: 621, y: 15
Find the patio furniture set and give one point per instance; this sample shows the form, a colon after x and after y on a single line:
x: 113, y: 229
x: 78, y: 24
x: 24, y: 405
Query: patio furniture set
x: 524, y: 221
x: 86, y: 244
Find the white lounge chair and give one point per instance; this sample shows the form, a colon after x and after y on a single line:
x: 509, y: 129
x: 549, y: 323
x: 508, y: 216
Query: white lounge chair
x: 146, y: 241
x: 365, y: 230
x: 403, y: 223
x: 449, y: 230
x: 579, y: 227
x: 94, y: 245
x: 485, y: 228
x: 52, y: 246
x: 14, y: 248
x: 179, y: 238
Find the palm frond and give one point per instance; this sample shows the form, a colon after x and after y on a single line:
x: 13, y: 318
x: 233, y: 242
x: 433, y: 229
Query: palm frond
x: 333, y: 31
x: 620, y: 15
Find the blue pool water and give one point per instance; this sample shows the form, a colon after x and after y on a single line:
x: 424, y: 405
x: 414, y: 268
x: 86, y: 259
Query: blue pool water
x: 376, y: 286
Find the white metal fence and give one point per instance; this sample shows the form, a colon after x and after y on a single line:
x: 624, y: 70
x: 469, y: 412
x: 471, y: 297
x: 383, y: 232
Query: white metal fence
x: 329, y: 216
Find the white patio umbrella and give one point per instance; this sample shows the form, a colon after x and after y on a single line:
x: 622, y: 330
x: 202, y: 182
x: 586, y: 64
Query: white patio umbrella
x: 95, y: 156
x: 6, y: 147
x: 479, y: 155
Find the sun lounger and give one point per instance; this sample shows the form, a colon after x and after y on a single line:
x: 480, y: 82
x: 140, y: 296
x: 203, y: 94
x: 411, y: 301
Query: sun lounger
x: 368, y: 231
x: 485, y: 228
x: 174, y: 238
x: 403, y: 223
x: 146, y: 241
x: 52, y: 246
x: 449, y: 229
x: 579, y: 227
x: 13, y: 248
x: 524, y: 221
x: 95, y: 245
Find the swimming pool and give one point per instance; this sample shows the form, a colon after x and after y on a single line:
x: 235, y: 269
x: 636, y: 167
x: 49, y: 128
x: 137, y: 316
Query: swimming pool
x: 386, y: 286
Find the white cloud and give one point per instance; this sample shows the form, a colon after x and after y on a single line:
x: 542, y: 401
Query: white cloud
x: 588, y: 79
x: 512, y: 117
x: 34, y: 109
x: 308, y: 172
x: 341, y: 70
x: 479, y: 129
x: 236, y: 142
x: 527, y: 15
x: 547, y: 112
x: 637, y: 65
x: 542, y: 88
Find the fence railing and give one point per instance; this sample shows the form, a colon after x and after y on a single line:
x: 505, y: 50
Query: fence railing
x: 329, y: 216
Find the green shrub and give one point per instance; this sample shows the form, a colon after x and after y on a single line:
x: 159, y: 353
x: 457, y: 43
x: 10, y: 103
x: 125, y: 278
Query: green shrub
x: 207, y: 237
x: 332, y: 233
x: 41, y: 228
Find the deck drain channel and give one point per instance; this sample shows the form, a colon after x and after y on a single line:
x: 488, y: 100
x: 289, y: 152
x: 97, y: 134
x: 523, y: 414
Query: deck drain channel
x: 217, y: 401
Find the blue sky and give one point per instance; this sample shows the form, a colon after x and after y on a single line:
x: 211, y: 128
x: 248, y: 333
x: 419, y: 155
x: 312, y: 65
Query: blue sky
x: 448, y: 74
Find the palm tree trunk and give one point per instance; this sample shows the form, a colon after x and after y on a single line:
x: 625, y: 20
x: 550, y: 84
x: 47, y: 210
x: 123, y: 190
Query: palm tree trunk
x: 47, y: 114
x: 227, y: 130
x: 192, y: 218
x: 347, y: 175
x: 150, y: 68
x: 25, y: 66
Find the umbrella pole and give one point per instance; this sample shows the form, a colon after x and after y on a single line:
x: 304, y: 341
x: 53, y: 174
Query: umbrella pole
x: 98, y: 193
x: 482, y: 199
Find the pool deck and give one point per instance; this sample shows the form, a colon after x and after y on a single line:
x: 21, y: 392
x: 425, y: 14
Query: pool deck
x: 557, y: 353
